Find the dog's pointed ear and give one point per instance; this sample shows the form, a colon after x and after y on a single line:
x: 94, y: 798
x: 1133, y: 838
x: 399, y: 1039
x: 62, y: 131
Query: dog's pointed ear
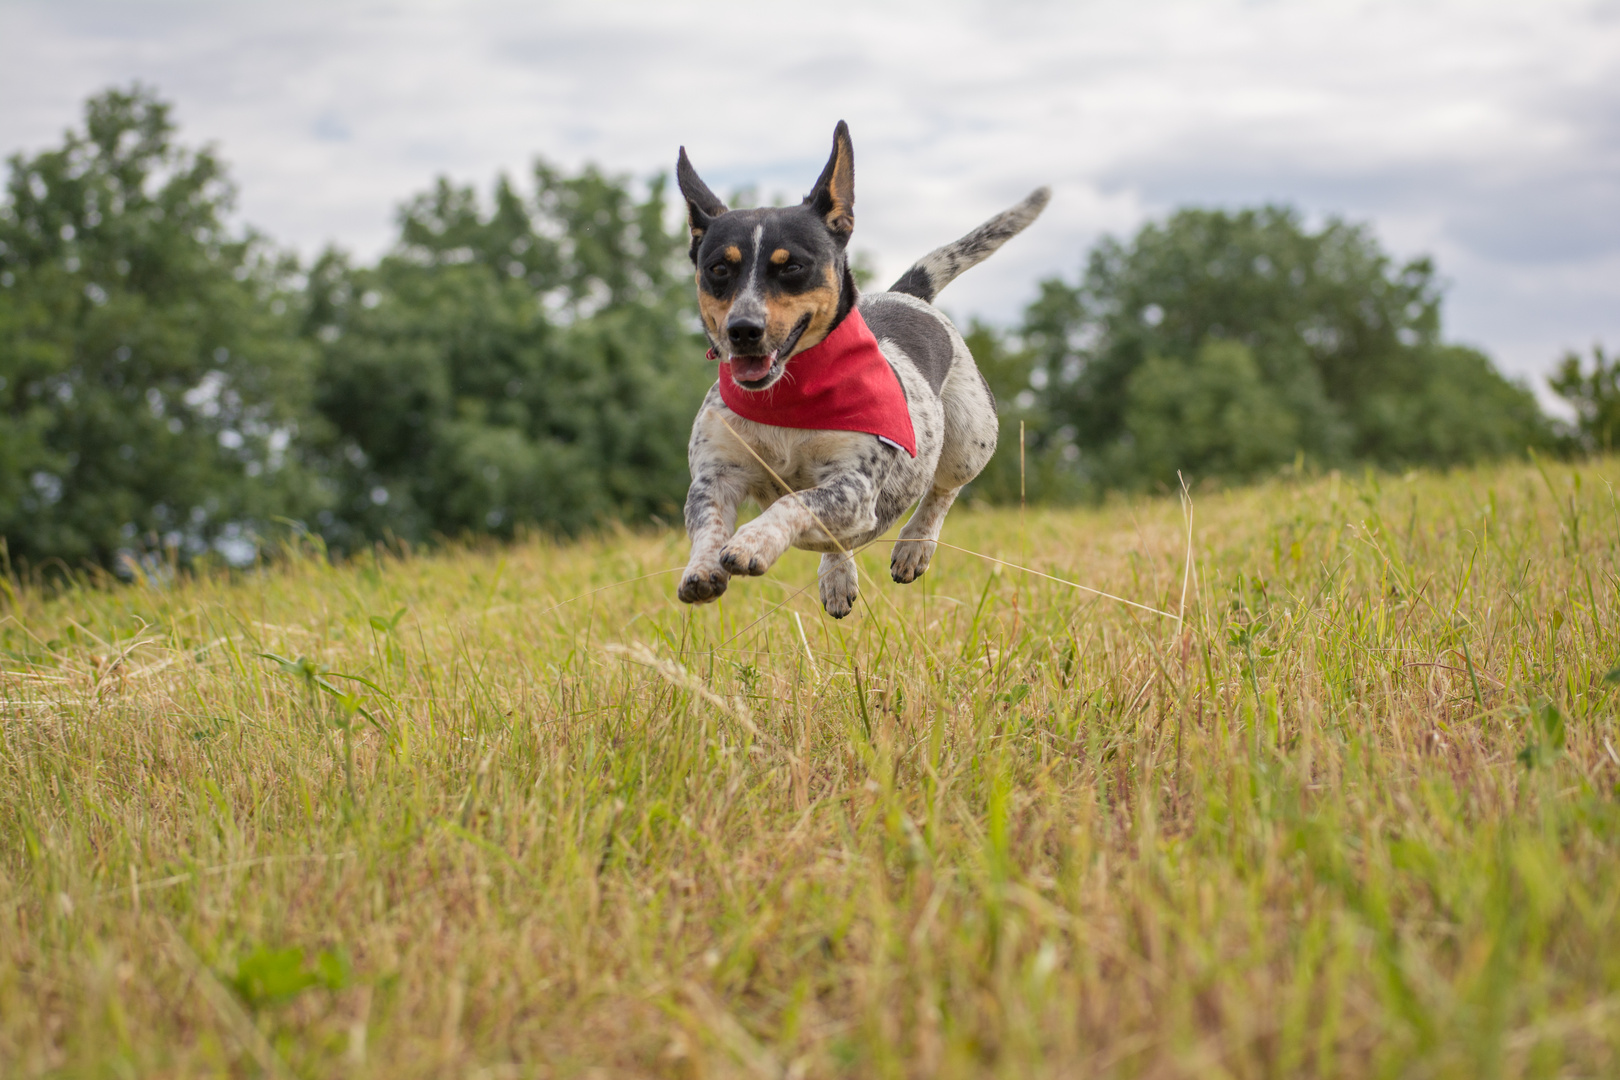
x: 701, y: 205
x: 833, y: 197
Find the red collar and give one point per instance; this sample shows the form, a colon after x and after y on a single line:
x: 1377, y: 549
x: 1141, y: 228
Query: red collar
x: 842, y: 383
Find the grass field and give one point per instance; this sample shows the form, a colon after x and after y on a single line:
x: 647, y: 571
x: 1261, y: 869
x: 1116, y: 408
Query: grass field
x: 1356, y: 815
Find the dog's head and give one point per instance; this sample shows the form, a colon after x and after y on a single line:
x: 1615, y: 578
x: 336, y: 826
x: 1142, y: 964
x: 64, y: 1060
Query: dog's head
x: 773, y: 282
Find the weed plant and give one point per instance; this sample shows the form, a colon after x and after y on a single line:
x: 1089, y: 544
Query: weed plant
x: 1355, y: 815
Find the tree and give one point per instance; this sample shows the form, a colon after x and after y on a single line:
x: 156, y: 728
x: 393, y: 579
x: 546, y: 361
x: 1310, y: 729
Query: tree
x: 150, y: 371
x: 1594, y: 395
x: 1216, y: 409
x: 1042, y: 472
x: 534, y: 362
x: 1226, y: 343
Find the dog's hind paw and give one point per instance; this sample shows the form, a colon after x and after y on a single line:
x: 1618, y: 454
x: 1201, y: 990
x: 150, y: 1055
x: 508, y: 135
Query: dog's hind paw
x: 838, y: 604
x: 910, y: 560
x: 701, y: 586
x: 839, y: 585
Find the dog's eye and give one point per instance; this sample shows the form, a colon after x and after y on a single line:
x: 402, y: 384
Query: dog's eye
x: 720, y: 270
x: 792, y: 268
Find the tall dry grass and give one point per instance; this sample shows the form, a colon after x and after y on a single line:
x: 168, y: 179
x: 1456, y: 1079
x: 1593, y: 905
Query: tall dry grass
x: 418, y: 817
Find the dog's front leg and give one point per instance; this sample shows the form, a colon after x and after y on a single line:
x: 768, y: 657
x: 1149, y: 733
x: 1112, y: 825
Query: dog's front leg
x: 841, y: 506
x: 711, y: 518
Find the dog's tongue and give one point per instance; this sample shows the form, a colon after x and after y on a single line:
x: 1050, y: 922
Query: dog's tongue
x: 750, y: 368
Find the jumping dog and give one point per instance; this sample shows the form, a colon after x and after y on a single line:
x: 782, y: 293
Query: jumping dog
x: 775, y: 292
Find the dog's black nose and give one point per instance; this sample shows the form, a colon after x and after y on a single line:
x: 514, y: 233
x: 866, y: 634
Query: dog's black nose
x: 746, y: 335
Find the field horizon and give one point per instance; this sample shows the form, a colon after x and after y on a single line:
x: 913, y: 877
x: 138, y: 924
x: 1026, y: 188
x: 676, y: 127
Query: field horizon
x: 514, y: 811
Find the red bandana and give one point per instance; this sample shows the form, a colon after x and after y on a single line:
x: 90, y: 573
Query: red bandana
x: 841, y: 384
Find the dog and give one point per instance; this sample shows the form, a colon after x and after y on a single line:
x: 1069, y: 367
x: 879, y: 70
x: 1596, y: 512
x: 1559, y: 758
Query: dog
x: 829, y: 460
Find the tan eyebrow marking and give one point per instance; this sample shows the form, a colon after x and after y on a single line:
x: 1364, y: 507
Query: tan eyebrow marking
x: 779, y: 256
x: 733, y: 253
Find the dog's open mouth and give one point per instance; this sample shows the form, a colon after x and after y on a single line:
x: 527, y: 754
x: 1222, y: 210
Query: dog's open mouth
x: 752, y: 372
x: 751, y: 369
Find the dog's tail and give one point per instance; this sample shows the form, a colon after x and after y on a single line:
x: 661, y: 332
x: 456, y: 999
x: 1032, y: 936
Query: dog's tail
x: 941, y: 266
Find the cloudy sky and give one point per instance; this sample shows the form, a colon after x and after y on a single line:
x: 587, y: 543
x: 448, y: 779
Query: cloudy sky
x: 1484, y: 133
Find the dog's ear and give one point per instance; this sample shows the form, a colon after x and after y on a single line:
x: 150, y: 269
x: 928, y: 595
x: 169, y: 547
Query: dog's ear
x: 833, y: 197
x: 701, y: 205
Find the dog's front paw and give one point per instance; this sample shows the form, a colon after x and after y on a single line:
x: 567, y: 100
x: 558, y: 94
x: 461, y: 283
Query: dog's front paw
x: 701, y: 586
x: 910, y: 560
x: 743, y: 563
x: 839, y: 585
x: 745, y: 555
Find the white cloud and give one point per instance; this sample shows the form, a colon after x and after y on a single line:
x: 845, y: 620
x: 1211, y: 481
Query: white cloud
x: 1486, y: 133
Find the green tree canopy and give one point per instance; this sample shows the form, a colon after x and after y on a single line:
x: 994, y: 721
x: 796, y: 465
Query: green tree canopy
x: 1595, y: 397
x: 1224, y: 343
x: 530, y: 362
x: 151, y: 377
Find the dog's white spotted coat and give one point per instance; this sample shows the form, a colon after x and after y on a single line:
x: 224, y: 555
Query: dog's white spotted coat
x: 847, y: 488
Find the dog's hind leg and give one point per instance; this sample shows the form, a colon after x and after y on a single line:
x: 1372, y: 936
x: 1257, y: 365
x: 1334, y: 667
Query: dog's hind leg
x: 840, y: 583
x: 970, y: 440
x: 915, y: 548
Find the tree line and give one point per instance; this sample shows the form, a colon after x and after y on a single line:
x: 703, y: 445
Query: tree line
x: 174, y: 386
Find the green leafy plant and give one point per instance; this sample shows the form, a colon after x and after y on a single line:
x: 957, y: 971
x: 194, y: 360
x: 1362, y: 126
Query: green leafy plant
x: 346, y: 705
x: 267, y: 977
x: 1544, y: 735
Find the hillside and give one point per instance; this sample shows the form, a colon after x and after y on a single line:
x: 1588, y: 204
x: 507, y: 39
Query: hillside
x: 514, y: 811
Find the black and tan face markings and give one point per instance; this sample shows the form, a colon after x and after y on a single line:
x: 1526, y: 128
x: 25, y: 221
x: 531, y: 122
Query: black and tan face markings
x: 814, y: 308
x: 762, y: 265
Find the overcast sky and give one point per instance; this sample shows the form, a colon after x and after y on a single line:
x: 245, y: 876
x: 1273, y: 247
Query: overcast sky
x: 1486, y: 134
